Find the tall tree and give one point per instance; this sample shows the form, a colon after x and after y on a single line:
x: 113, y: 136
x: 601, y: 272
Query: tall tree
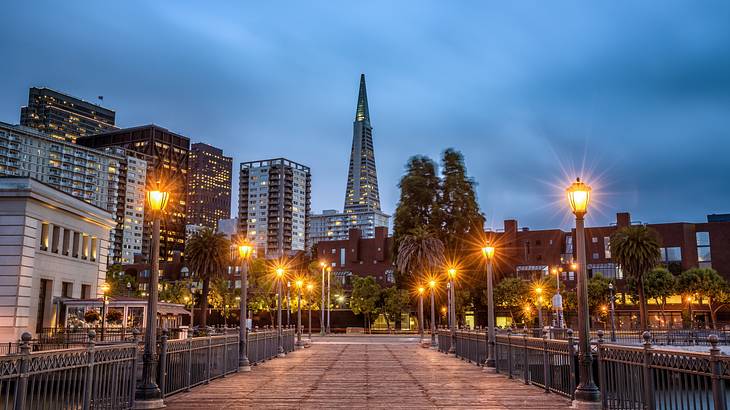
x: 418, y: 198
x: 660, y: 284
x: 365, y: 298
x: 223, y: 297
x: 706, y: 283
x: 457, y: 216
x: 511, y: 294
x: 208, y: 254
x: 395, y: 302
x: 420, y: 252
x: 636, y: 250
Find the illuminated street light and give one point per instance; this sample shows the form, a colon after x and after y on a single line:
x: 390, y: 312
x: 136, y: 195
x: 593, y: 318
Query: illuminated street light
x: 420, y: 289
x: 488, y: 253
x: 299, y: 283
x: 432, y: 286
x: 329, y: 305
x: 579, y: 195
x: 105, y: 288
x: 322, y: 327
x: 148, y: 395
x: 452, y: 310
x: 310, y: 288
x: 279, y: 278
x: 245, y: 250
x: 613, y: 311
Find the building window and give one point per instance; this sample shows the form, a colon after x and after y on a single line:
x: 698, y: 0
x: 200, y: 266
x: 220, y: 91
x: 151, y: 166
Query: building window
x: 67, y: 289
x: 94, y: 247
x: 56, y: 235
x: 704, y: 256
x: 85, y: 247
x: 85, y: 291
x: 65, y: 242
x: 77, y: 237
x: 44, y: 236
x: 594, y: 239
x: 607, y: 247
x: 342, y: 256
x: 595, y: 255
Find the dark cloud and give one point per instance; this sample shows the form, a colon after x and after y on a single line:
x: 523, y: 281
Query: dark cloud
x: 636, y: 94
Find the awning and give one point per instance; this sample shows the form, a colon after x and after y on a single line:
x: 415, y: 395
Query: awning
x: 171, y: 310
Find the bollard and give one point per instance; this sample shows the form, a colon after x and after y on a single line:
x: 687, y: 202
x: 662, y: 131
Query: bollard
x: 509, y: 354
x: 648, y: 385
x: 601, y: 376
x: 526, y: 361
x: 25, y: 339
x: 571, y: 360
x: 545, y: 361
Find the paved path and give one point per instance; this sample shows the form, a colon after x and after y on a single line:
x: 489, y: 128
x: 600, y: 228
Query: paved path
x: 366, y: 372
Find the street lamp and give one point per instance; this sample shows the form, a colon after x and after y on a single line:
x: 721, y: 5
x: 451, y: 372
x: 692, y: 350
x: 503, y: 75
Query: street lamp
x: 558, y: 299
x: 279, y: 278
x: 288, y: 303
x: 299, y: 283
x: 104, y: 291
x: 148, y: 391
x: 538, y: 292
x: 329, y: 307
x: 613, y: 310
x: 421, y: 289
x: 691, y: 315
x: 578, y: 197
x: 245, y: 250
x: 310, y: 288
x: 432, y: 286
x: 322, y: 328
x: 488, y: 253
x: 452, y: 310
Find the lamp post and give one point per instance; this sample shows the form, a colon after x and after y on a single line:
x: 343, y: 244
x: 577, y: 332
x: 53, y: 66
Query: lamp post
x: 538, y: 291
x: 288, y: 303
x: 322, y: 327
x: 104, y: 292
x: 310, y: 287
x: 579, y: 197
x: 280, y: 336
x: 329, y: 308
x: 452, y: 310
x: 244, y: 252
x: 129, y: 289
x: 691, y: 315
x: 299, y: 283
x: 558, y: 299
x: 148, y: 391
x: 421, y: 289
x: 432, y: 285
x: 613, y: 311
x: 488, y: 253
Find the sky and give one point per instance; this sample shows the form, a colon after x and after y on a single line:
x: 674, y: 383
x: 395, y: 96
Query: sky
x: 633, y: 96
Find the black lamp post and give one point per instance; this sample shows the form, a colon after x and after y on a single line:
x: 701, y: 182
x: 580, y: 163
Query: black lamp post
x: 488, y: 252
x: 244, y: 252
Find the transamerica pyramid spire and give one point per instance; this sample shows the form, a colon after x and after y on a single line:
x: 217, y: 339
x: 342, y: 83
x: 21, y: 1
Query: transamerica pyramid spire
x: 362, y: 179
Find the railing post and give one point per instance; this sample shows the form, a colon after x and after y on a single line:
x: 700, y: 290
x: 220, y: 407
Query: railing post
x: 601, y: 376
x: 646, y: 368
x: 525, y: 361
x: 509, y: 353
x: 25, y: 339
x: 495, y: 351
x: 189, y: 375
x: 545, y: 361
x: 571, y: 360
x: 718, y: 395
x: 89, y: 377
x: 162, y: 363
x: 210, y: 355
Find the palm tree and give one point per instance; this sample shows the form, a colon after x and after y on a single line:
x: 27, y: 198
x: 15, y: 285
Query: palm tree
x: 208, y: 254
x: 420, y: 251
x: 636, y: 250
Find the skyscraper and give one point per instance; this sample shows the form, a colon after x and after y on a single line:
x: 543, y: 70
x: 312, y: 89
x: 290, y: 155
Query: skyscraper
x: 273, y: 206
x: 362, y: 179
x: 64, y: 117
x: 209, y: 186
x: 362, y: 199
x: 168, y: 155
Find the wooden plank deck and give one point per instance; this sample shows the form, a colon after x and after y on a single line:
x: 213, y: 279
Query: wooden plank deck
x: 350, y: 373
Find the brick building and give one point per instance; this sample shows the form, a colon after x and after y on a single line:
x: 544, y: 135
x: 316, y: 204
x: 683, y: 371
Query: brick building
x: 358, y: 256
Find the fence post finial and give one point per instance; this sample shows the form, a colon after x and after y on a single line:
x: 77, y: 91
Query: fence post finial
x: 600, y: 336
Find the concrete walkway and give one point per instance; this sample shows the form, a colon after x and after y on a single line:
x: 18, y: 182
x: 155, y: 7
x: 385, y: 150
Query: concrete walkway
x: 366, y: 372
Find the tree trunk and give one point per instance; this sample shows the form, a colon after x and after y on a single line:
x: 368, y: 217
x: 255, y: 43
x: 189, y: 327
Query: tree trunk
x: 642, y: 306
x: 204, y: 303
x: 713, y: 314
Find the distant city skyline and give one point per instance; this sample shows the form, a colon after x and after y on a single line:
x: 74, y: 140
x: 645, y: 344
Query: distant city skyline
x: 527, y: 94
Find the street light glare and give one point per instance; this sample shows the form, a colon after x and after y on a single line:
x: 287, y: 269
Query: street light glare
x: 245, y: 250
x: 579, y: 195
x: 488, y: 251
x: 157, y: 200
x: 280, y: 272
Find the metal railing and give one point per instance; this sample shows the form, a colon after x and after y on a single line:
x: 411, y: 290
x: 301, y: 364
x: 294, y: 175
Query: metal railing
x: 98, y: 377
x: 649, y: 378
x: 443, y: 337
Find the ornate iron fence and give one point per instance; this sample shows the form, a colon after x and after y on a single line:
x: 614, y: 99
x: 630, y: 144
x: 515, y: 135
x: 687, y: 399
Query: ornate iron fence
x: 649, y: 378
x: 98, y: 377
x: 444, y: 339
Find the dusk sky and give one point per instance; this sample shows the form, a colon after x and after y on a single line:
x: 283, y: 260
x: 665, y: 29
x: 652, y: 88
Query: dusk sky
x: 636, y: 94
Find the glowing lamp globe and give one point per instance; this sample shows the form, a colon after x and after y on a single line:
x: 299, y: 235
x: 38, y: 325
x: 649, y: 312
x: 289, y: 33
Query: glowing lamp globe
x: 488, y: 251
x: 245, y: 250
x: 579, y: 195
x: 157, y: 200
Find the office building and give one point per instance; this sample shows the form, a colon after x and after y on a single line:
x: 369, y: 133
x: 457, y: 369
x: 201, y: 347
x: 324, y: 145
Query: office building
x: 209, y: 186
x: 167, y: 168
x: 54, y: 246
x: 64, y: 117
x: 332, y: 225
x: 273, y: 206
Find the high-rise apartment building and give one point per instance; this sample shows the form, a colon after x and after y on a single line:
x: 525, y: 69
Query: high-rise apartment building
x: 168, y: 155
x: 64, y: 117
x: 100, y: 178
x: 332, y: 225
x: 273, y: 205
x: 209, y: 186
